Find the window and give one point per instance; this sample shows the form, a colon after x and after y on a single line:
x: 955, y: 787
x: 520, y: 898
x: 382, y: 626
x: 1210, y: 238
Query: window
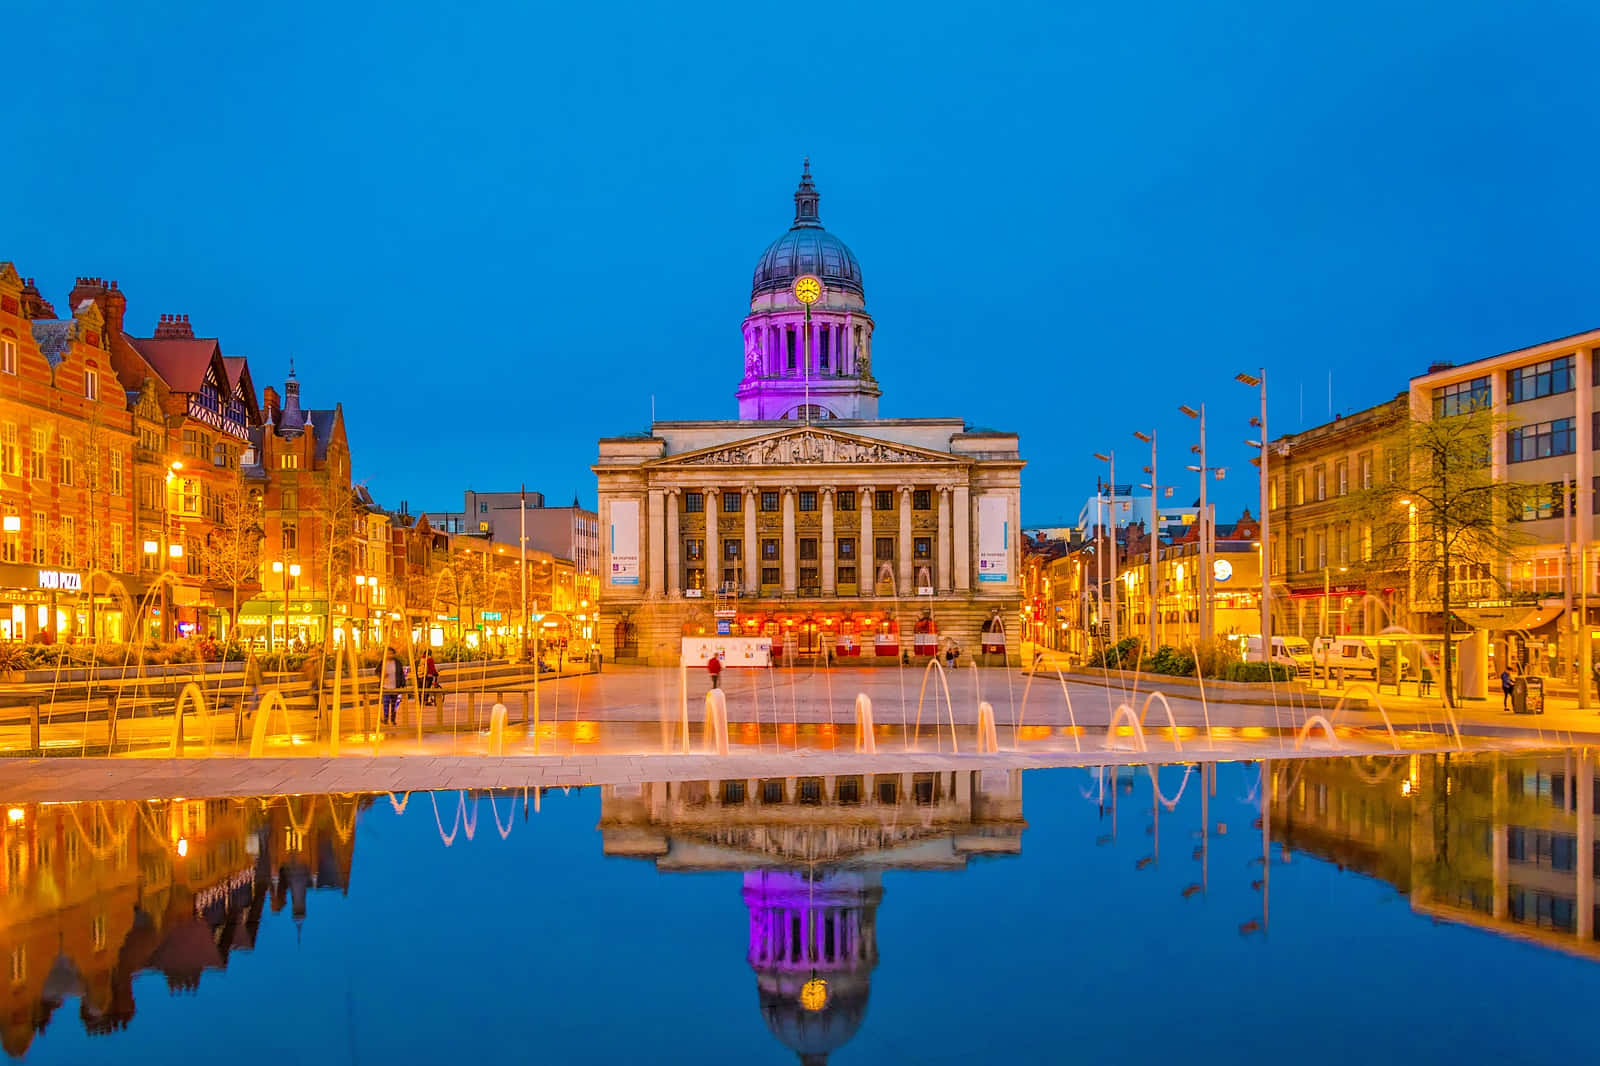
x: 1539, y: 502
x: 1461, y: 397
x: 8, y: 355
x: 69, y: 541
x: 11, y: 548
x: 189, y: 496
x: 67, y: 469
x: 1549, y: 378
x: 10, y: 450
x: 116, y: 547
x: 693, y: 503
x: 697, y: 577
x: 883, y: 548
x: 116, y: 458
x: 289, y: 499
x: 1272, y: 495
x: 846, y: 548
x: 288, y: 462
x: 1341, y: 478
x: 483, y: 507
x: 694, y: 549
x: 847, y: 575
x: 1364, y: 466
x: 1319, y: 478
x: 291, y: 537
x: 922, y: 549
x: 808, y: 549
x: 221, y: 455
x: 731, y: 502
x: 1322, y: 550
x: 769, y: 501
x: 769, y: 575
x: 789, y: 334
x: 1299, y: 489
x: 39, y: 454
x: 731, y: 550
x: 91, y: 384
x: 808, y: 501
x: 883, y: 500
x: 822, y: 349
x: 921, y: 500
x: 1341, y: 546
x: 769, y: 550
x: 846, y: 498
x: 1541, y: 440
x: 194, y: 561
x: 1300, y: 553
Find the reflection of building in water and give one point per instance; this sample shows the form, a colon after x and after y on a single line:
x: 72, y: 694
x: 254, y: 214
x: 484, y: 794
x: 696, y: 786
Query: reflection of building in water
x: 813, y: 851
x: 92, y: 894
x: 1502, y: 842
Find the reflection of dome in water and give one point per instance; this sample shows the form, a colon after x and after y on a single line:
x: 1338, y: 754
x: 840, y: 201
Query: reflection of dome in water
x: 813, y: 947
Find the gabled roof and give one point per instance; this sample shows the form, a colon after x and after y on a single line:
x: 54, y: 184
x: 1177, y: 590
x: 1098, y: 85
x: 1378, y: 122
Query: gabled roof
x: 181, y: 361
x: 234, y: 365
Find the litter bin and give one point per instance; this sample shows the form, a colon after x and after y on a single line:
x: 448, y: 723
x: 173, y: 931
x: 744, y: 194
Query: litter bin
x: 1530, y: 695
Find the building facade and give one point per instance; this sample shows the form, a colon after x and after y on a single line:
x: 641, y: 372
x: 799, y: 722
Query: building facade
x: 809, y: 520
x: 567, y: 532
x: 1324, y: 580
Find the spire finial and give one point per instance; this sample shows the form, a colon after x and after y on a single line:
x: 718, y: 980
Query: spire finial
x: 291, y: 366
x: 805, y: 200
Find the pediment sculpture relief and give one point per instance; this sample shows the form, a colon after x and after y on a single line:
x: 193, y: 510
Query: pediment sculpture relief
x: 805, y: 448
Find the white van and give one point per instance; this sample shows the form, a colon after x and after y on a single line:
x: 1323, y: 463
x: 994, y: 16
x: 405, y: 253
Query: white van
x: 1293, y: 652
x: 1352, y: 657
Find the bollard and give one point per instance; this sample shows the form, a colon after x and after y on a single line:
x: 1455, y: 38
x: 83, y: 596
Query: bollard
x: 33, y: 727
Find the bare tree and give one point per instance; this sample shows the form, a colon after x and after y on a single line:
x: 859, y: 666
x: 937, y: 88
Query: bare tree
x: 336, y: 514
x: 231, y: 554
x: 1439, y: 514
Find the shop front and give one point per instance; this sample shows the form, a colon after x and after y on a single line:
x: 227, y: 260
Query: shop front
x: 37, y: 600
x: 262, y: 622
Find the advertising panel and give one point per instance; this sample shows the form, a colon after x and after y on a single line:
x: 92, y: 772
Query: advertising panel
x: 994, y: 538
x: 624, y: 542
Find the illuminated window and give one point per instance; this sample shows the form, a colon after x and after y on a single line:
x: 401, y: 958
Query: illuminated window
x: 10, y: 450
x: 8, y: 355
x: 288, y: 461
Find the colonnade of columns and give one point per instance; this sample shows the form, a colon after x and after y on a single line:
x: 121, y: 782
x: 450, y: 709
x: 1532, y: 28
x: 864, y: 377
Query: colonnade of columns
x: 949, y: 561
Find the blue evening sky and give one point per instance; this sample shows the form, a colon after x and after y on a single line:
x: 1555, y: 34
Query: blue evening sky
x: 495, y: 231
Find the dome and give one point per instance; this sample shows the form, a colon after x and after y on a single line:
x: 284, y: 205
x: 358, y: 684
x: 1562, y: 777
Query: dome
x: 814, y: 1034
x: 806, y: 249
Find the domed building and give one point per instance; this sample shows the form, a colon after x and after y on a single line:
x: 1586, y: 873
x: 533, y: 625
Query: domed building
x: 809, y: 528
x: 821, y: 367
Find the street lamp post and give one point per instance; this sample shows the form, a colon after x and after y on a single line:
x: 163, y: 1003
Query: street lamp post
x: 1111, y: 511
x: 1155, y: 528
x: 1203, y: 586
x: 1260, y: 382
x: 169, y: 549
x: 293, y: 572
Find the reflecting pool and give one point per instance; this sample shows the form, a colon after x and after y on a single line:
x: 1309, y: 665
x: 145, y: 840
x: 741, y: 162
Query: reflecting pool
x: 1420, y: 908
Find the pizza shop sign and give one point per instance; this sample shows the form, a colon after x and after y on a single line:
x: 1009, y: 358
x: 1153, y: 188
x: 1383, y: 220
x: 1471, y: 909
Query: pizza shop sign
x: 64, y: 580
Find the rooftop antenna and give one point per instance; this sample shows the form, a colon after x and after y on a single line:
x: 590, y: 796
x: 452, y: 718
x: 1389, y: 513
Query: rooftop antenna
x: 652, y: 408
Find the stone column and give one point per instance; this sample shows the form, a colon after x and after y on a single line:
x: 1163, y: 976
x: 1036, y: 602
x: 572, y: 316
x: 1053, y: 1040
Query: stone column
x: 713, y: 558
x: 674, y: 504
x: 1583, y: 522
x: 752, y: 547
x: 866, y: 565
x: 790, y: 548
x: 905, y: 578
x: 827, y: 547
x: 943, y: 555
x: 961, y: 511
x: 657, y: 548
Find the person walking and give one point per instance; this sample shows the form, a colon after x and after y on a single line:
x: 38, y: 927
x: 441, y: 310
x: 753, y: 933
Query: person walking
x: 714, y: 668
x: 393, y: 682
x: 1507, y: 685
x: 430, y: 678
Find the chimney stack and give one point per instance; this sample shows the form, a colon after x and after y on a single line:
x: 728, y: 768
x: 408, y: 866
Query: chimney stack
x: 174, y: 327
x: 113, y: 305
x: 269, y: 406
x: 33, y: 304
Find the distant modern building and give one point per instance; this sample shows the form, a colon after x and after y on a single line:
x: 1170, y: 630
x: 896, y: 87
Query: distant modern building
x: 822, y: 527
x: 568, y: 532
x: 1127, y: 505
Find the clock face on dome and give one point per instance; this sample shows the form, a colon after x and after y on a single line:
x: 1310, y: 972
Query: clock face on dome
x: 807, y: 289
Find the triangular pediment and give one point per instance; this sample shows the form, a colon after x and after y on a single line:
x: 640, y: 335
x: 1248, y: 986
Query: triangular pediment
x: 789, y: 447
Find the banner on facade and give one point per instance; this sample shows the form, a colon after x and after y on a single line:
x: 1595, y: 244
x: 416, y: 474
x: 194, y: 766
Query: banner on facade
x: 994, y: 538
x: 624, y: 542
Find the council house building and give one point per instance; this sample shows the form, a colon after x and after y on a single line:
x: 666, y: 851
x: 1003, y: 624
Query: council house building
x: 808, y: 519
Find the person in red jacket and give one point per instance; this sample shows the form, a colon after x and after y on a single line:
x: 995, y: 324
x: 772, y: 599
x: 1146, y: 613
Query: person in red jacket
x: 714, y: 668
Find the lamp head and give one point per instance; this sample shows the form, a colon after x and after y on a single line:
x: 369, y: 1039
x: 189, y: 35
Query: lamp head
x: 1102, y: 458
x: 1247, y: 379
x: 1140, y: 435
x: 1190, y: 411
